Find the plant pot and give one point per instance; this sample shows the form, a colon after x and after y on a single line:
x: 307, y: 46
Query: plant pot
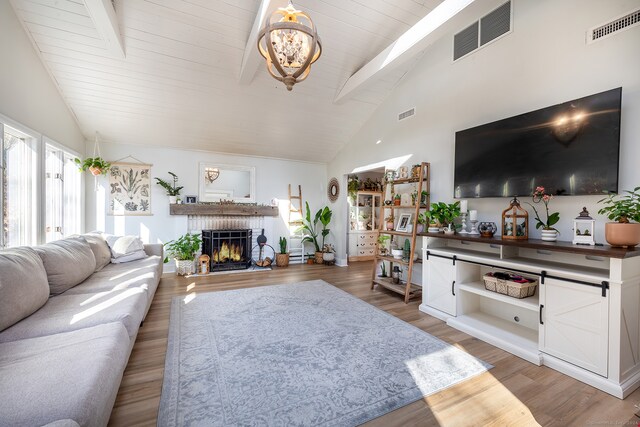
x: 184, y: 267
x: 328, y: 256
x: 173, y: 200
x: 549, y: 235
x: 311, y: 261
x: 282, y: 260
x: 390, y: 225
x: 318, y: 257
x: 622, y: 234
x: 396, y: 202
x: 449, y: 231
x: 397, y: 253
x: 95, y: 171
x: 419, y: 228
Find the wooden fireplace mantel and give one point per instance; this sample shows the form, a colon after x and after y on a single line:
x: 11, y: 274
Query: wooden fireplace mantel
x: 237, y: 209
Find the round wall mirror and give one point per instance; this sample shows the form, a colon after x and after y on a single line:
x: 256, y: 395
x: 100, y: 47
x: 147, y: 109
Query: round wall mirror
x: 333, y: 190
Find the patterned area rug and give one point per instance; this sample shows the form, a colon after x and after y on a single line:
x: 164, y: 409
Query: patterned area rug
x: 300, y: 354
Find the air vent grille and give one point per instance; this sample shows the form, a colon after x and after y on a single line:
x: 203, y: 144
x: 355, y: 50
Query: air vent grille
x: 466, y: 41
x: 407, y: 114
x: 488, y: 28
x: 626, y: 21
x: 495, y: 24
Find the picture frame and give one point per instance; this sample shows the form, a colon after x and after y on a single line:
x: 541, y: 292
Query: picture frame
x: 403, y: 222
x: 190, y: 200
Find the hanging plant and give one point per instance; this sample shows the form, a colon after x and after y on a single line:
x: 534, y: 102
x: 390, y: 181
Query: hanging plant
x: 95, y: 165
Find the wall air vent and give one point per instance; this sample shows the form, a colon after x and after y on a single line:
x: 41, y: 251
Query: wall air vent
x: 487, y: 29
x: 407, y: 114
x: 614, y: 26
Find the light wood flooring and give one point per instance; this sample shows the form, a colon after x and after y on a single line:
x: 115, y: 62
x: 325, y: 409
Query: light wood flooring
x: 514, y: 392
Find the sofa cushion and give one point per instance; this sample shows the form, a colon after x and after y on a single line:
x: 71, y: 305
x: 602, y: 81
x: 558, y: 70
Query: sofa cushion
x: 75, y: 376
x: 115, y: 277
x: 123, y: 245
x: 64, y: 313
x: 23, y: 285
x: 133, y: 256
x: 100, y: 249
x: 67, y: 262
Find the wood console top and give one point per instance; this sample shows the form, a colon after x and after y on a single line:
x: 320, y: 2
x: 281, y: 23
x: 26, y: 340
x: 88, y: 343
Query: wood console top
x: 560, y: 246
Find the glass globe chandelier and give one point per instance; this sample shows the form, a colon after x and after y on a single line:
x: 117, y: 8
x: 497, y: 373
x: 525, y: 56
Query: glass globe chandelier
x: 290, y: 44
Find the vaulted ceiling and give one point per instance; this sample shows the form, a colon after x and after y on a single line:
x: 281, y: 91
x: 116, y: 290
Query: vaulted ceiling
x: 170, y: 74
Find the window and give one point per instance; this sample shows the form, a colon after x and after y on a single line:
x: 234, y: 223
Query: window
x: 40, y: 188
x: 18, y: 188
x: 63, y: 187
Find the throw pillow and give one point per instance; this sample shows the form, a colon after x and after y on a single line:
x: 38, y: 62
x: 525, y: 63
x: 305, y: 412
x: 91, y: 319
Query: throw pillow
x: 123, y: 245
x: 68, y: 263
x: 130, y: 257
x: 23, y: 285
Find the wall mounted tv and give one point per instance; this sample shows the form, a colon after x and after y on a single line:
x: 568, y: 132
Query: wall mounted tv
x: 570, y: 149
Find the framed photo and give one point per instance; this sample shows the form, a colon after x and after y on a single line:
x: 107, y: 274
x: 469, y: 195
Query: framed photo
x: 189, y: 200
x: 404, y: 222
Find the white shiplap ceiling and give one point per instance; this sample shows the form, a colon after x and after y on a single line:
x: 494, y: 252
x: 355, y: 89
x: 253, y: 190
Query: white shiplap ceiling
x: 178, y: 84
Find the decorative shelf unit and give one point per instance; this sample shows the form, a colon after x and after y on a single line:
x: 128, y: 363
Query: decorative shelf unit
x: 583, y: 320
x: 364, y: 222
x: 416, y: 184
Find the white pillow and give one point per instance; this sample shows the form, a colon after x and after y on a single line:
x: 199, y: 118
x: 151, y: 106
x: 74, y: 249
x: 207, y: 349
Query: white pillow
x: 123, y: 245
x: 129, y: 257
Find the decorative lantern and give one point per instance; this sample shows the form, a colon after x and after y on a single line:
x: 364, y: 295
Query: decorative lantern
x: 584, y: 229
x: 515, y: 222
x: 290, y: 44
x: 203, y: 263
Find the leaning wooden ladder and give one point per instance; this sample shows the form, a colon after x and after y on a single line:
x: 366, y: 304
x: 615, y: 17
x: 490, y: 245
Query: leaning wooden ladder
x: 296, y: 248
x: 409, y: 289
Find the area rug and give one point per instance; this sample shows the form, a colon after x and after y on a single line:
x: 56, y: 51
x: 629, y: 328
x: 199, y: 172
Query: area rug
x: 300, y: 354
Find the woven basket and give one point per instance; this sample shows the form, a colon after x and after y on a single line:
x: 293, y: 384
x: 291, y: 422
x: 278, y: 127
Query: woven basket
x: 509, y: 287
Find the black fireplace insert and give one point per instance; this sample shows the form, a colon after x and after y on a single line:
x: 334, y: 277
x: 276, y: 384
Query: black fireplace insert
x: 228, y: 249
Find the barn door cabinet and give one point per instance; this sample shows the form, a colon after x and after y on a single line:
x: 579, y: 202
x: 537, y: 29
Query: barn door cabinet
x: 583, y: 320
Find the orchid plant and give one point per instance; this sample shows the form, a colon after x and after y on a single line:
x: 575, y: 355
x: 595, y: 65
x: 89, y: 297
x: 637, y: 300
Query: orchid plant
x: 540, y: 195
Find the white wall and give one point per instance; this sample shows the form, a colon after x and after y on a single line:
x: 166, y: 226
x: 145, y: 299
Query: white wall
x: 27, y: 93
x: 272, y: 179
x: 544, y: 61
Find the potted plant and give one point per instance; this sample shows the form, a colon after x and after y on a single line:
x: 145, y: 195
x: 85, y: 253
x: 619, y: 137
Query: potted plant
x: 172, y: 191
x: 383, y: 270
x: 424, y: 195
x: 549, y: 233
x: 389, y: 220
x: 396, y: 252
x: 310, y: 259
x: 415, y: 171
x: 282, y: 258
x: 396, y: 200
x: 353, y: 185
x: 449, y: 213
x: 328, y: 253
x: 95, y: 165
x: 382, y: 244
x: 622, y: 210
x: 184, y: 250
x: 309, y: 229
x: 422, y: 220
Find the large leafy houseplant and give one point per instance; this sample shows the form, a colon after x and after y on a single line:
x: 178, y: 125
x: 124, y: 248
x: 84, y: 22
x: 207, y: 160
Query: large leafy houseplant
x: 310, y: 227
x: 184, y: 250
x: 95, y: 165
x: 171, y: 187
x: 622, y: 209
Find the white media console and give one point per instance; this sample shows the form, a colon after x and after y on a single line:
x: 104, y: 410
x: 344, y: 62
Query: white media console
x: 583, y: 321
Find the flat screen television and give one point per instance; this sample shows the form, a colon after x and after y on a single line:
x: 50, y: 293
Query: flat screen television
x: 570, y: 149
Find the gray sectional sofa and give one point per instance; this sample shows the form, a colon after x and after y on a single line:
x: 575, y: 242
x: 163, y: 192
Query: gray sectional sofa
x: 68, y: 321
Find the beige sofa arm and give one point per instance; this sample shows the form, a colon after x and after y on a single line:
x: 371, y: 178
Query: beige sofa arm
x: 154, y: 249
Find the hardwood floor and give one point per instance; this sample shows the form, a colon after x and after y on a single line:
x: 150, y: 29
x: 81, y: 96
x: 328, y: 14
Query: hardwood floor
x: 514, y: 392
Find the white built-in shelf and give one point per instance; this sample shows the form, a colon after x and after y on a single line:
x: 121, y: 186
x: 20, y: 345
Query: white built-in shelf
x: 511, y: 337
x: 577, y: 271
x: 530, y: 303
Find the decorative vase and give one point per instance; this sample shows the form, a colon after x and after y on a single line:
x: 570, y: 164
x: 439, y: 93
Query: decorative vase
x: 419, y: 228
x: 622, y: 234
x: 282, y: 260
x: 173, y: 200
x: 328, y: 256
x: 549, y: 235
x: 319, y: 257
x: 184, y: 267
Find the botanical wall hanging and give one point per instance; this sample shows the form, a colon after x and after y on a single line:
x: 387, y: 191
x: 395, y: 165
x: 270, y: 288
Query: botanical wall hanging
x: 129, y: 189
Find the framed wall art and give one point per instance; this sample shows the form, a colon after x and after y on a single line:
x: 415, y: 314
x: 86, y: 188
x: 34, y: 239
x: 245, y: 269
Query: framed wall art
x: 129, y: 189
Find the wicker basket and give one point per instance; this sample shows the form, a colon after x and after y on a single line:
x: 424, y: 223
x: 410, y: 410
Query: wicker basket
x: 509, y: 287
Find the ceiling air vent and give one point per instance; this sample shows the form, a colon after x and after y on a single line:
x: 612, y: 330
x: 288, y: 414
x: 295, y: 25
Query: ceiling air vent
x: 407, y: 114
x: 487, y: 29
x: 623, y: 22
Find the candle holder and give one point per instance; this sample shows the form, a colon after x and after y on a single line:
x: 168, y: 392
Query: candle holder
x: 474, y: 228
x: 463, y: 230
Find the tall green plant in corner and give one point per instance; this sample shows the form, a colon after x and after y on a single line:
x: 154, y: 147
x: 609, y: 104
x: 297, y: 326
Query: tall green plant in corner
x: 308, y: 227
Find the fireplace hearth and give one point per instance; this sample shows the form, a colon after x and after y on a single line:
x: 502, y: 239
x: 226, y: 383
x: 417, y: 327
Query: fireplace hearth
x: 228, y: 249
